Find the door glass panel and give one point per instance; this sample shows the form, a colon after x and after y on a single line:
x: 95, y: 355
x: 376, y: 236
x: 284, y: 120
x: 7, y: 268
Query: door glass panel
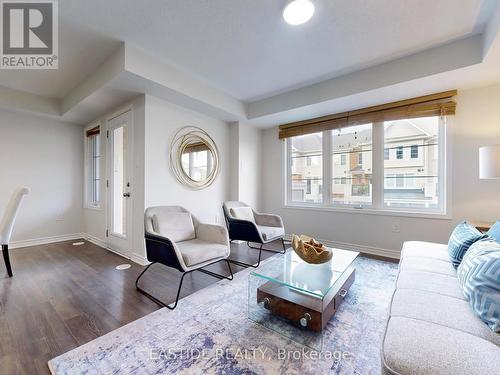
x: 119, y: 207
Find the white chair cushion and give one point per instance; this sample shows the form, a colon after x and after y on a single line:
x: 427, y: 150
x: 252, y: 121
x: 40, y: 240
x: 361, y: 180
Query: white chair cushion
x: 242, y: 213
x: 177, y: 226
x: 268, y: 233
x: 197, y: 251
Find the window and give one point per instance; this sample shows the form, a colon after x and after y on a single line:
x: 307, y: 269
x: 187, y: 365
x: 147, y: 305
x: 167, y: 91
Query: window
x: 399, y: 152
x: 352, y: 181
x: 417, y: 179
x: 414, y: 152
x: 410, y: 181
x: 400, y: 180
x: 92, y: 167
x: 306, y: 177
x: 390, y: 181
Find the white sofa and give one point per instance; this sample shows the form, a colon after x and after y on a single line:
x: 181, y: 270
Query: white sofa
x: 431, y: 328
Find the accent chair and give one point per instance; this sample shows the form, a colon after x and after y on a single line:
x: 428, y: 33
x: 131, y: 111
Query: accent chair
x: 246, y: 224
x: 7, y: 223
x: 175, y: 238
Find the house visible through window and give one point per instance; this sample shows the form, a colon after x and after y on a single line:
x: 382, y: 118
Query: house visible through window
x: 92, y: 170
x: 410, y: 181
x: 417, y: 180
x: 351, y: 180
x: 306, y: 168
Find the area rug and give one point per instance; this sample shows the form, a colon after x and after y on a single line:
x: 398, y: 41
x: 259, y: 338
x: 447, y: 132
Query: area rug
x: 209, y: 333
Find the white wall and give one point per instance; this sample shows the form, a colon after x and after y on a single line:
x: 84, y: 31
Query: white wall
x: 47, y: 156
x: 477, y: 123
x: 163, y: 119
x: 250, y: 165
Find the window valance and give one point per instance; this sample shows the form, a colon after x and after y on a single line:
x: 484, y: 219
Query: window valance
x: 439, y: 104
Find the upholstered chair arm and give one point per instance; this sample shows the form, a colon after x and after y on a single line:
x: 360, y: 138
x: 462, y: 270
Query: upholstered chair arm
x: 161, y: 249
x: 212, y: 233
x: 268, y: 220
x: 244, y: 230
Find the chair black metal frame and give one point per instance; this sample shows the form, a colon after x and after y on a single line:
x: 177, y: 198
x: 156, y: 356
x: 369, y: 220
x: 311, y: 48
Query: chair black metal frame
x: 5, y: 251
x: 242, y: 230
x: 160, y: 250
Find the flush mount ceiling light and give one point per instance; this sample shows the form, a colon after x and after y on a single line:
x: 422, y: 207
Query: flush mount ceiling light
x: 297, y: 12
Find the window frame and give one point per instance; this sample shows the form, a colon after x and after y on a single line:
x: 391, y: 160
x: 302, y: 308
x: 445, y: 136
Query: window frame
x: 86, y: 202
x: 377, y: 207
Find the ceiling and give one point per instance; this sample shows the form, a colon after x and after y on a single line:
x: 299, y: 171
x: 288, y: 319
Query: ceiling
x: 243, y: 47
x: 237, y: 60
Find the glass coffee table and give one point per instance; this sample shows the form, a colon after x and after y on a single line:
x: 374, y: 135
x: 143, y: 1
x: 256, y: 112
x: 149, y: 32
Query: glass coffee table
x: 297, y: 299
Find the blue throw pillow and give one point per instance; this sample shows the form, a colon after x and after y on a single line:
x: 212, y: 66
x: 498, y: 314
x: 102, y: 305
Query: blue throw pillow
x: 494, y: 231
x: 479, y: 275
x: 463, y: 236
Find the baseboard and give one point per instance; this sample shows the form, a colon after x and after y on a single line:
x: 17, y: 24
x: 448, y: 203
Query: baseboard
x: 45, y: 240
x: 134, y: 257
x: 139, y: 260
x: 94, y: 240
x: 360, y: 248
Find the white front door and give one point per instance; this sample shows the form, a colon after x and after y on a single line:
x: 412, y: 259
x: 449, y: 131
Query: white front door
x: 119, y: 219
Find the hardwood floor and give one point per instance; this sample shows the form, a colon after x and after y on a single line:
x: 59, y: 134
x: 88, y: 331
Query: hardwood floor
x: 62, y: 296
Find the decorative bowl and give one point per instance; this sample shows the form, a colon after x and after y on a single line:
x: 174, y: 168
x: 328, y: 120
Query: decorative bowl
x: 309, y: 250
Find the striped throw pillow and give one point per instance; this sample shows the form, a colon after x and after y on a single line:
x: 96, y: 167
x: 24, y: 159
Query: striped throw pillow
x: 479, y: 276
x: 463, y: 236
x: 494, y: 231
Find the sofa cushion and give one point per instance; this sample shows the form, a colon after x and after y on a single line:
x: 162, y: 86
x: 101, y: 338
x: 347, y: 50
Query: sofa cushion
x: 494, y: 231
x: 479, y: 275
x: 177, y: 226
x: 427, y: 265
x: 197, y: 251
x: 425, y: 250
x: 462, y: 237
x: 440, y: 309
x: 242, y: 213
x: 269, y: 233
x: 418, y: 347
x: 443, y: 284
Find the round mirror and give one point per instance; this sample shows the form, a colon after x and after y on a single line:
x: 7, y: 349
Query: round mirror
x: 194, y: 158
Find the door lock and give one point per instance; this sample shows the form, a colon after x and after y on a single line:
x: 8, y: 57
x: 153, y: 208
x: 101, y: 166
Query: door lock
x: 126, y: 195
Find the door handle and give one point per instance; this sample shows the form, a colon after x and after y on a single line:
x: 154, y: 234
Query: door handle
x: 126, y: 195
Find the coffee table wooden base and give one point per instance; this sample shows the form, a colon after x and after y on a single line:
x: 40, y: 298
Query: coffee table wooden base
x: 303, y: 308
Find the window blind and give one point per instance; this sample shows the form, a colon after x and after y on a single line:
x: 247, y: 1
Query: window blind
x: 93, y: 131
x: 439, y: 104
x: 195, y: 147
